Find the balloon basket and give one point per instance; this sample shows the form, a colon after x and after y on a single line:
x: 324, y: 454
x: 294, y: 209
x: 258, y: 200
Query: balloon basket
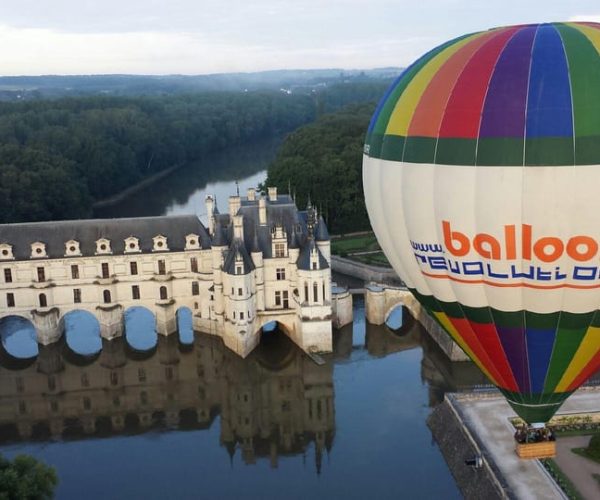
x: 545, y: 449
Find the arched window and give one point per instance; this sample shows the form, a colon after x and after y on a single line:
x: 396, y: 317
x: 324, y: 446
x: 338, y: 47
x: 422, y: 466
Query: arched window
x: 43, y: 300
x: 163, y: 293
x: 315, y: 292
x: 106, y: 296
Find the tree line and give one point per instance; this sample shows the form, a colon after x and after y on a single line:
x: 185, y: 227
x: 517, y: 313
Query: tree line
x: 58, y: 157
x: 323, y: 161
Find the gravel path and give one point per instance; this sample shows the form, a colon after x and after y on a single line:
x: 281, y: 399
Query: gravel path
x: 578, y: 469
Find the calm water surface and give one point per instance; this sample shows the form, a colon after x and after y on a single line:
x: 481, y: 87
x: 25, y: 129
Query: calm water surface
x: 183, y: 417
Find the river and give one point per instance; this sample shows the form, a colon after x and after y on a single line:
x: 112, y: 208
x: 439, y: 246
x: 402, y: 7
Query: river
x: 186, y: 418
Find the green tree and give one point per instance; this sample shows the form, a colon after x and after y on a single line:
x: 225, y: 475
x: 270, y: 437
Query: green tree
x: 323, y: 160
x: 26, y: 478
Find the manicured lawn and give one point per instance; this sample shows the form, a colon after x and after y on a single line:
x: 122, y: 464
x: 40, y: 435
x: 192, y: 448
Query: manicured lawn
x: 348, y: 245
x: 373, y: 259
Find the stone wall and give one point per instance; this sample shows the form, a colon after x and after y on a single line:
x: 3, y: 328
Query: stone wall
x: 363, y: 271
x: 457, y: 445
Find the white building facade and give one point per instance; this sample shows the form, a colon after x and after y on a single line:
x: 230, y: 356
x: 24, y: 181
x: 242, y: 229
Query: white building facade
x: 264, y: 261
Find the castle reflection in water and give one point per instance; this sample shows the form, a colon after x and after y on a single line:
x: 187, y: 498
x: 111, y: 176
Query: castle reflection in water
x: 277, y: 402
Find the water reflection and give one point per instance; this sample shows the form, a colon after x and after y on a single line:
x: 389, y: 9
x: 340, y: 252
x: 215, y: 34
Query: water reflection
x: 184, y: 190
x: 276, y: 402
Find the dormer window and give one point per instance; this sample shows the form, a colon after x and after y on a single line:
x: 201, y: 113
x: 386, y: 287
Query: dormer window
x: 103, y: 246
x: 6, y: 252
x: 160, y: 244
x: 38, y: 250
x: 72, y: 248
x: 192, y: 242
x: 279, y: 250
x: 132, y: 245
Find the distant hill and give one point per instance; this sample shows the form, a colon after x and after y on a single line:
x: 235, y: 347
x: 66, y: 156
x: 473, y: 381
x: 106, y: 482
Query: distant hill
x: 18, y: 88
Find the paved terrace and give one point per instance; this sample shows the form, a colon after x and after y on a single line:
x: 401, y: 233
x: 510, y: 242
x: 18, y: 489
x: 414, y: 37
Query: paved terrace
x: 486, y: 417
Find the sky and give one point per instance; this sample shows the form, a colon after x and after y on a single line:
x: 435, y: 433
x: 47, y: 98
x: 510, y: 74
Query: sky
x: 219, y: 36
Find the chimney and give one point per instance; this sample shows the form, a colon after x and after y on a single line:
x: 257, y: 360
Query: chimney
x: 210, y: 211
x: 238, y: 227
x: 251, y: 194
x: 234, y: 205
x: 272, y: 194
x: 262, y: 211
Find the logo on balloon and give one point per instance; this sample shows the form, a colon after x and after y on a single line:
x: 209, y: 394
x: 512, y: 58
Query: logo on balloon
x: 517, y: 254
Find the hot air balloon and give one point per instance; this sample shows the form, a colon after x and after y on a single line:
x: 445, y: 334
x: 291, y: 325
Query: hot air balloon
x: 481, y: 175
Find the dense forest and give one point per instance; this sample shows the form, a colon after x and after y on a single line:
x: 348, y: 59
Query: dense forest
x: 58, y: 157
x: 323, y: 160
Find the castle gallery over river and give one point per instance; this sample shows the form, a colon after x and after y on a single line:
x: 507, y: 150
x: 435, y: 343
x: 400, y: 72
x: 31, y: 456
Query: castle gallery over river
x: 265, y: 261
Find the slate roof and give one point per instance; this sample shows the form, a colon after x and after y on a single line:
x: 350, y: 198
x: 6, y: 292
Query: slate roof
x: 236, y: 253
x: 56, y: 233
x: 304, y: 257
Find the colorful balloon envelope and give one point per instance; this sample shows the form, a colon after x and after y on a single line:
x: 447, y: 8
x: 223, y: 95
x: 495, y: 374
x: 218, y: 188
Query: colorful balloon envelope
x: 481, y: 174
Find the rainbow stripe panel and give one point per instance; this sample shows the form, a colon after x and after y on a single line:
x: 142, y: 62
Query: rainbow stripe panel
x: 517, y: 95
x: 536, y: 360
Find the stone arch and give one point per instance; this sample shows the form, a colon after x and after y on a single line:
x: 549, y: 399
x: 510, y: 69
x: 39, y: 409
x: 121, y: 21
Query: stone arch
x: 140, y: 328
x: 18, y: 336
x: 185, y: 325
x: 82, y: 332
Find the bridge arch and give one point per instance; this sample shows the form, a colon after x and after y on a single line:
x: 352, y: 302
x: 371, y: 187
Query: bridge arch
x: 185, y: 325
x: 18, y: 336
x: 140, y: 328
x: 81, y: 332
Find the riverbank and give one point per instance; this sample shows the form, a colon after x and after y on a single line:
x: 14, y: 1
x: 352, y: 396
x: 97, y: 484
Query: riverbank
x: 121, y: 196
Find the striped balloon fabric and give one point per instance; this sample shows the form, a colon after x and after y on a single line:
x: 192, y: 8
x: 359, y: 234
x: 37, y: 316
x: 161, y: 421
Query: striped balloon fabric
x: 517, y: 95
x: 505, y: 259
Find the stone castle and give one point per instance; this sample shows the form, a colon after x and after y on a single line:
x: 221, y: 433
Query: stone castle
x: 265, y: 261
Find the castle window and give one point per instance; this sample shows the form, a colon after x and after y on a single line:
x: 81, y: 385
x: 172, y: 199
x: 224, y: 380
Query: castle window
x: 305, y: 291
x: 195, y: 288
x: 162, y: 269
x: 238, y: 269
x: 103, y: 246
x: 280, y: 272
x: 10, y: 300
x: 114, y: 379
x: 43, y: 300
x: 41, y: 274
x: 279, y: 250
x: 277, y: 298
x: 194, y: 264
x: 241, y: 315
x: 240, y: 291
x: 72, y: 248
x: 163, y: 293
x: 38, y: 250
x: 315, y: 292
x: 132, y: 244
x: 133, y: 268
x: 192, y: 242
x: 87, y: 404
x: 286, y: 302
x: 106, y: 296
x: 85, y: 381
x: 135, y: 292
x: 5, y: 251
x: 7, y: 275
x: 141, y: 375
x: 314, y: 266
x: 105, y: 270
x: 160, y: 243
x: 75, y: 272
x: 76, y: 295
x: 324, y: 292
